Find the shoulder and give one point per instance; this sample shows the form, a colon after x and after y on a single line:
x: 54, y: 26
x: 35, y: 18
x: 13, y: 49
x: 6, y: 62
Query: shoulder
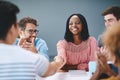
x: 28, y: 55
x: 39, y: 40
x: 62, y: 42
x: 92, y: 38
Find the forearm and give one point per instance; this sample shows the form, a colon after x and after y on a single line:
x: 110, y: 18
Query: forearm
x: 52, y: 69
x: 83, y: 66
x: 54, y: 66
x: 44, y: 54
x: 111, y: 73
x: 95, y: 75
x: 69, y: 67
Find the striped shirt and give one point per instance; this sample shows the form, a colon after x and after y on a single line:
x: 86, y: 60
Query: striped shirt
x: 19, y: 64
x: 78, y: 54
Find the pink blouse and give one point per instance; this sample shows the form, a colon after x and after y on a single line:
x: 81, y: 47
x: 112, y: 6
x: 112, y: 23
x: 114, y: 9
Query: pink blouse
x: 78, y: 54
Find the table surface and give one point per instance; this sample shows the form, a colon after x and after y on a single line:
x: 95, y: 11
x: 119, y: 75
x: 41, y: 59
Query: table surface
x: 71, y: 75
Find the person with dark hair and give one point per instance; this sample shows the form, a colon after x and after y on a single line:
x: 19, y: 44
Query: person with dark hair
x: 17, y: 63
x: 28, y: 40
x: 111, y: 17
x: 77, y: 48
x: 110, y: 38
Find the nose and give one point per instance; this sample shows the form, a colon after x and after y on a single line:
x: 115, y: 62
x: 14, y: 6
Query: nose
x: 73, y: 24
x: 34, y: 34
x: 107, y: 24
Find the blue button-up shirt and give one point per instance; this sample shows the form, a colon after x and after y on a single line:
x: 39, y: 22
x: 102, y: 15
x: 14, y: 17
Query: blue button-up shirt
x: 40, y: 45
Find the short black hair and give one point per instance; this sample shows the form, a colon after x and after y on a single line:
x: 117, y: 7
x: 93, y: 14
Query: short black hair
x: 8, y: 13
x: 115, y: 10
x: 83, y: 35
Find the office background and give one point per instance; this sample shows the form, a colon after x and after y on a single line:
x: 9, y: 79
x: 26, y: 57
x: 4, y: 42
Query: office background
x: 52, y: 15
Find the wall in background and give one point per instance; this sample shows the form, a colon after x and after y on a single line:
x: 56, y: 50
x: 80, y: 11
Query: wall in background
x: 52, y: 15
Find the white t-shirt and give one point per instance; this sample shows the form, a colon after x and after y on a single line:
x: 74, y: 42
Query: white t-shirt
x: 19, y: 64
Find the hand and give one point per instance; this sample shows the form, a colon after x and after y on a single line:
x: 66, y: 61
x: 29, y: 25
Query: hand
x: 27, y: 45
x: 105, y: 52
x: 68, y: 67
x: 59, y: 61
x: 102, y: 65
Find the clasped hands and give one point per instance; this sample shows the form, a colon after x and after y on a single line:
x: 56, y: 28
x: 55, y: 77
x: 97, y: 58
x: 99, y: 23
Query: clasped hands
x: 28, y: 45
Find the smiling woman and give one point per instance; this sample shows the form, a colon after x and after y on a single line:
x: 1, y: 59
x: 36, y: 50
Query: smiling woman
x: 77, y: 48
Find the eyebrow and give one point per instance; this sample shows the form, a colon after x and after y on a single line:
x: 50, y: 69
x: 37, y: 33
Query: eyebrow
x: 109, y: 19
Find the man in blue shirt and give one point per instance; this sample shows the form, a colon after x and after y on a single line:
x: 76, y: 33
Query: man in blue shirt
x: 28, y: 40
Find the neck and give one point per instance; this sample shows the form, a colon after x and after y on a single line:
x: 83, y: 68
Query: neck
x: 1, y: 41
x: 77, y: 40
x: 4, y: 42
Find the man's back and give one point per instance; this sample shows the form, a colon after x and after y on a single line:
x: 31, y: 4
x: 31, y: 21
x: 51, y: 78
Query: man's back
x: 17, y: 63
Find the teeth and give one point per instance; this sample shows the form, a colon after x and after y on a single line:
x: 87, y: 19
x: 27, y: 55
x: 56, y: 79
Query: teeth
x: 74, y: 29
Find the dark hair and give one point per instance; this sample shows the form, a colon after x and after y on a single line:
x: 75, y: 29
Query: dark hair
x: 115, y: 10
x: 8, y: 13
x: 22, y: 23
x: 83, y: 35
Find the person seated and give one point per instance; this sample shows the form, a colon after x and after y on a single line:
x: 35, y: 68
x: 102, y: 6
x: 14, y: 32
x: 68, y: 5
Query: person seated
x: 111, y: 38
x: 17, y: 63
x: 28, y: 37
x: 111, y: 16
x: 77, y: 48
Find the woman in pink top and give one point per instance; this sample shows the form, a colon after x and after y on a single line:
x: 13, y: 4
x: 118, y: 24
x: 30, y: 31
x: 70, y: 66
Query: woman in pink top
x: 77, y: 48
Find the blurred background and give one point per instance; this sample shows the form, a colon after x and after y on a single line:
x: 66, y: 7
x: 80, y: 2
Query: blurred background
x: 52, y: 15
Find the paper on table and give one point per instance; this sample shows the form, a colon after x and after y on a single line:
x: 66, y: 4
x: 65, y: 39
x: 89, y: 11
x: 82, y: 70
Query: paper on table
x: 77, y: 72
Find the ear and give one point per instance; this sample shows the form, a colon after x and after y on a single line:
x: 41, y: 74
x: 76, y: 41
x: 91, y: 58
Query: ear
x: 12, y: 33
x: 12, y: 29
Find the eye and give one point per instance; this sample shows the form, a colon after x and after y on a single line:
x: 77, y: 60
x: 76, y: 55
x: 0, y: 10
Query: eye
x: 77, y: 23
x: 36, y: 31
x: 70, y: 23
x: 31, y: 31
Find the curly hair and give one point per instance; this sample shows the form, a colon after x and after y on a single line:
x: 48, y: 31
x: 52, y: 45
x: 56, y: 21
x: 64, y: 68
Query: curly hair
x: 111, y: 38
x: 22, y: 23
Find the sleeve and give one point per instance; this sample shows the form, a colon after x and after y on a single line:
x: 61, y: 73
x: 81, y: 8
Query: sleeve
x: 100, y: 41
x: 42, y: 48
x: 61, y: 49
x: 93, y: 48
x: 41, y: 65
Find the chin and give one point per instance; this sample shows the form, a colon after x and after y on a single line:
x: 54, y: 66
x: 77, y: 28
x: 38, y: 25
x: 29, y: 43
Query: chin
x: 75, y: 33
